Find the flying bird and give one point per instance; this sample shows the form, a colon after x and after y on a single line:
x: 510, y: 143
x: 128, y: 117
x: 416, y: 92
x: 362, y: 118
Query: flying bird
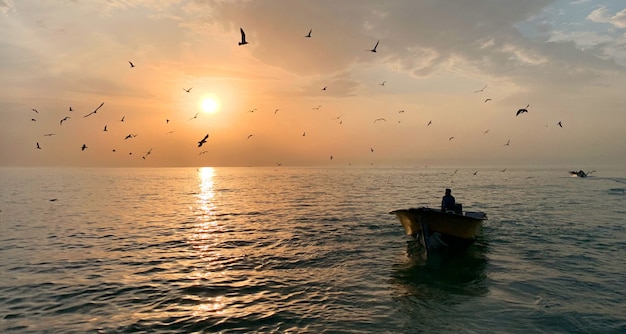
x: 382, y: 83
x: 71, y: 109
x: 105, y: 128
x: 203, y: 140
x: 129, y: 136
x: 38, y: 147
x: 508, y: 143
x: 131, y: 64
x: 187, y: 90
x: 82, y: 148
x: 480, y: 90
x: 560, y: 124
x: 35, y: 110
x: 309, y: 34
x: 401, y: 111
x: 195, y: 116
x: 48, y: 134
x: 324, y: 87
x: 379, y: 119
x: 122, y: 119
x: 375, y: 46
x: 487, y: 100
x: 249, y: 136
x: 93, y: 112
x: 450, y: 138
x: 372, y: 149
x: 243, y: 37
x: 522, y: 110
x: 429, y: 123
x: 64, y: 119
x: 33, y: 120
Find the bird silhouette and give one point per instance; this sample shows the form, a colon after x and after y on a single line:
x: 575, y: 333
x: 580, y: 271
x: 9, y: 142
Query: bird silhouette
x: 487, y: 100
x: 309, y: 34
x: 249, y: 136
x: 203, y: 140
x: 131, y: 64
x: 375, y: 46
x: 82, y: 148
x: 508, y: 143
x: 122, y: 119
x: 64, y: 119
x: 560, y: 124
x: 382, y: 83
x: 195, y: 116
x: 429, y: 123
x: 450, y: 138
x: 48, y: 134
x: 38, y: 147
x: 379, y: 119
x: 93, y: 112
x: 71, y: 109
x: 243, y: 37
x: 35, y: 110
x: 187, y: 90
x: 522, y: 110
x: 105, y: 128
x: 480, y: 90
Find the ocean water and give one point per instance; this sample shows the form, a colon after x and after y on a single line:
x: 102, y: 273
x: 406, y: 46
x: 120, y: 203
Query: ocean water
x: 306, y: 250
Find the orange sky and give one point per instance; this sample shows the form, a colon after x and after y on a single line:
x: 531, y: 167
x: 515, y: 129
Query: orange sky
x: 563, y: 58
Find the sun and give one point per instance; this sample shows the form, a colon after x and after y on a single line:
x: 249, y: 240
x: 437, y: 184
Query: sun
x: 210, y: 104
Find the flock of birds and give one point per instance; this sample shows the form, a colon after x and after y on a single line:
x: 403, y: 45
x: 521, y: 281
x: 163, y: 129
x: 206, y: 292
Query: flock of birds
x: 243, y: 41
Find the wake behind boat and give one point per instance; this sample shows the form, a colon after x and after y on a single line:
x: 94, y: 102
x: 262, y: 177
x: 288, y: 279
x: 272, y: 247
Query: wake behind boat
x: 437, y: 229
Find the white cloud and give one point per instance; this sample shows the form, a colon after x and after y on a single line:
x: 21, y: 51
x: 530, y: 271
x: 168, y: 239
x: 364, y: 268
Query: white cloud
x: 6, y: 6
x: 602, y: 15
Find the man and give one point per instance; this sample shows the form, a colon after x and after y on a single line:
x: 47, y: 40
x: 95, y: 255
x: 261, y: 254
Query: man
x: 447, y: 202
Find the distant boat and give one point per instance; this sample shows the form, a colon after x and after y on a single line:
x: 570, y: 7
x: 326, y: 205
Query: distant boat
x: 580, y: 173
x: 436, y: 229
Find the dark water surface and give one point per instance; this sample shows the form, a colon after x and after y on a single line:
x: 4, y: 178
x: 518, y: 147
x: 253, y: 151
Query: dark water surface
x: 306, y: 250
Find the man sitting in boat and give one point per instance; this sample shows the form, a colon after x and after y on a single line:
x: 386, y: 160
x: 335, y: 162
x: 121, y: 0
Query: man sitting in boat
x: 448, y: 202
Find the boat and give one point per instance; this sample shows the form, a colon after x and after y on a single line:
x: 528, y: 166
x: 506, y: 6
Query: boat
x: 580, y: 173
x: 436, y: 229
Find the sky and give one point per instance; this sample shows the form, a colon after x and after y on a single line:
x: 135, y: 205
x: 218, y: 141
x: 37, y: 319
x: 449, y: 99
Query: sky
x: 442, y: 89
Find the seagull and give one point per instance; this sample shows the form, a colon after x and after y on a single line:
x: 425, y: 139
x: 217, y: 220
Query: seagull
x: 429, y: 123
x: 508, y: 142
x: 187, y: 90
x: 338, y: 117
x: 48, y: 134
x: 324, y: 87
x: 249, y: 136
x: 243, y: 37
x: 523, y: 110
x: 203, y: 152
x: 93, y: 112
x: 35, y: 110
x: 82, y: 148
x: 372, y: 149
x: 560, y: 124
x: 71, y: 109
x: 167, y: 121
x: 128, y: 137
x: 487, y: 100
x: 331, y: 157
x: 64, y: 119
x: 105, y: 128
x: 195, y: 116
x: 401, y: 111
x: 379, y: 119
x: 275, y: 111
x: 486, y: 131
x: 318, y: 107
x: 382, y: 83
x: 375, y: 46
x: 122, y: 120
x: 476, y: 172
x: 131, y: 64
x: 303, y: 134
x: 480, y: 90
x: 309, y: 34
x: 38, y: 147
x: 203, y: 140
x: 33, y: 120
x: 450, y: 138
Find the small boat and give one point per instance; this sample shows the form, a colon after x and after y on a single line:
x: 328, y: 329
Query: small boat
x: 436, y: 229
x: 580, y: 173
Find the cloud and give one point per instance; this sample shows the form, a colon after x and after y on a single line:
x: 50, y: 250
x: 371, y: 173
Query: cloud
x: 602, y: 15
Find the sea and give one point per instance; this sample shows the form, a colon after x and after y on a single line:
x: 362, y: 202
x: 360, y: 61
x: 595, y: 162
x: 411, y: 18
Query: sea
x: 307, y: 250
